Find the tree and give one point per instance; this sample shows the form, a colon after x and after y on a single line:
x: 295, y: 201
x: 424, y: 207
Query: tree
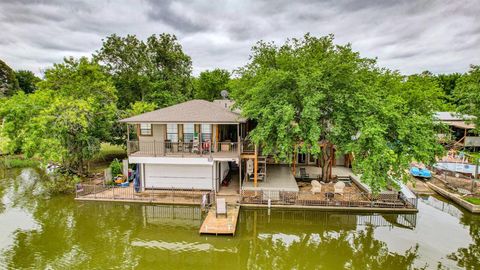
x: 27, y: 80
x: 210, y: 83
x: 8, y: 82
x: 467, y: 91
x: 72, y: 112
x: 448, y: 82
x: 310, y: 95
x: 156, y: 70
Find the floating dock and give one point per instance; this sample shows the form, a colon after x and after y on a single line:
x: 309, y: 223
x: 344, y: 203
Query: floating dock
x: 221, y: 225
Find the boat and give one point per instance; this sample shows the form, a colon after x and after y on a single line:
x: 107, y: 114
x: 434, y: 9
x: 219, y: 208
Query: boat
x: 420, y: 172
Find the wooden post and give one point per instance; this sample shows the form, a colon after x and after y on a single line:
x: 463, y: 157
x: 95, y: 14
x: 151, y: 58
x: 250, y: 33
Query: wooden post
x: 255, y: 168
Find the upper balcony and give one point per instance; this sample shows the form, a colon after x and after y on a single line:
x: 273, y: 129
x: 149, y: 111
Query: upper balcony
x: 183, y: 149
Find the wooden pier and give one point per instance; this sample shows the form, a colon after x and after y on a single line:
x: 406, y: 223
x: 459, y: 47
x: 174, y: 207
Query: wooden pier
x: 221, y: 225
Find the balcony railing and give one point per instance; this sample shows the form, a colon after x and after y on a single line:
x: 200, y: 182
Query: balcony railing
x: 182, y: 149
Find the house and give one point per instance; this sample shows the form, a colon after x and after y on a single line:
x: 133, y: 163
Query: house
x: 191, y: 145
x: 462, y: 130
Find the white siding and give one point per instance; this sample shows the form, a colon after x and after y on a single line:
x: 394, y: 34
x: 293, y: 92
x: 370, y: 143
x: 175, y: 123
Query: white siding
x: 178, y: 176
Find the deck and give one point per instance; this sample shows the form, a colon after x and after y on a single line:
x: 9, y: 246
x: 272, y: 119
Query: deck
x: 279, y: 178
x: 221, y: 225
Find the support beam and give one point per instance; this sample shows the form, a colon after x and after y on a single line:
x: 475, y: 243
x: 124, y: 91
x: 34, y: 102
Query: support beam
x: 255, y: 168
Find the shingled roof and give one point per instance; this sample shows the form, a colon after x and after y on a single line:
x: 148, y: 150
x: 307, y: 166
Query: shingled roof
x: 193, y: 111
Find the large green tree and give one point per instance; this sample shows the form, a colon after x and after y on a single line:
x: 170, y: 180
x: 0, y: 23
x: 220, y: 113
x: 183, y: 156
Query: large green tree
x: 8, y: 82
x: 209, y: 84
x: 67, y: 118
x: 312, y: 95
x: 156, y: 70
x: 467, y: 92
x: 27, y: 81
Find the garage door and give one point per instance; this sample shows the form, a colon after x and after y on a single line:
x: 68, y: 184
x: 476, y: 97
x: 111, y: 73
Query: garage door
x: 178, y: 176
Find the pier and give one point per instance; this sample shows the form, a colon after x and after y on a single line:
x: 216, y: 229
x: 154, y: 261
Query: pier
x: 221, y: 225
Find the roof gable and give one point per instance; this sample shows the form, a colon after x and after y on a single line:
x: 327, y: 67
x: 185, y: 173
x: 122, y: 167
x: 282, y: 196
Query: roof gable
x: 193, y: 111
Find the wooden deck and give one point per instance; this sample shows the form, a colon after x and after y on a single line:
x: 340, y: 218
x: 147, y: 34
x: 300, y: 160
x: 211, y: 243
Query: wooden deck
x: 221, y: 225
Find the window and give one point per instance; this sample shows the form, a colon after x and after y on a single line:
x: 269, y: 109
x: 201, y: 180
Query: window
x: 172, y: 132
x: 188, y: 131
x: 206, y: 132
x: 146, y: 129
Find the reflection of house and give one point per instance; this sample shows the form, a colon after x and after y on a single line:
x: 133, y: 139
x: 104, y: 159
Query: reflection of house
x: 461, y: 130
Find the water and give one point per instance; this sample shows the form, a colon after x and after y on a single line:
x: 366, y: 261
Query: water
x: 39, y: 232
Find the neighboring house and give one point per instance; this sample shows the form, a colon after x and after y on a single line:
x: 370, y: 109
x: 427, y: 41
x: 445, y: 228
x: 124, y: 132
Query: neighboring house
x: 191, y: 145
x: 461, y: 128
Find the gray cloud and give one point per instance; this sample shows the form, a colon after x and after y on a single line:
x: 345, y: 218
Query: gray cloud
x: 411, y: 36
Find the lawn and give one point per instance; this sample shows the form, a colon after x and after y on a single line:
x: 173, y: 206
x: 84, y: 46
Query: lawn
x: 108, y: 152
x: 473, y: 200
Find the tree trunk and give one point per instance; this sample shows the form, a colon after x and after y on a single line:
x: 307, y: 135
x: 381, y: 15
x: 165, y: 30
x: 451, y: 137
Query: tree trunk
x: 326, y: 162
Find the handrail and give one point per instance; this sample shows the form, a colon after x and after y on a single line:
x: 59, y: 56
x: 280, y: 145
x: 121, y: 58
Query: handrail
x: 165, y: 148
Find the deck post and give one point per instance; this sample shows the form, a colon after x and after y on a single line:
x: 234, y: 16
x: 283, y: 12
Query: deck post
x: 255, y: 168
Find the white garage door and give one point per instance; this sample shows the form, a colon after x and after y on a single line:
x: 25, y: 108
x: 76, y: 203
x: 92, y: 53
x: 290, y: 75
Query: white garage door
x: 178, y: 176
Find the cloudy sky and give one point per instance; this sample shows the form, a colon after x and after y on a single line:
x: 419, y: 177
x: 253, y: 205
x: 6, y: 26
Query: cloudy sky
x: 411, y: 36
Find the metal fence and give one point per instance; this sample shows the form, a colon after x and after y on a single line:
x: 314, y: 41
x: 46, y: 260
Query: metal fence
x: 170, y: 195
x: 166, y: 148
x: 302, y: 198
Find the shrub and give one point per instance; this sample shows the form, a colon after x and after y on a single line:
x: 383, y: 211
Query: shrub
x: 116, y: 167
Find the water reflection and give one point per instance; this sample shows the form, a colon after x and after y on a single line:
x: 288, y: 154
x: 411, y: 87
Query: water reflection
x: 60, y: 233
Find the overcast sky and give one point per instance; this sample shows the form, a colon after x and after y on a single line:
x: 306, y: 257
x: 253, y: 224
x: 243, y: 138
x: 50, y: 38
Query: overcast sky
x: 411, y: 36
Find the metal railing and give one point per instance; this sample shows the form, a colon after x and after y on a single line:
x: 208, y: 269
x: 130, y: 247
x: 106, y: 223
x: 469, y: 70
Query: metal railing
x: 149, y: 194
x: 165, y: 148
x: 303, y: 198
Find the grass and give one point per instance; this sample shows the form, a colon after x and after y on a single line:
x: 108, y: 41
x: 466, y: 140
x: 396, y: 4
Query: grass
x: 18, y: 162
x: 472, y: 200
x: 107, y: 154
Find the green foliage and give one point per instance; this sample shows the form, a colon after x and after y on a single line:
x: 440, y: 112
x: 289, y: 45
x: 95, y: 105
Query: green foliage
x: 156, y: 70
x: 27, y: 81
x: 467, y: 91
x: 447, y: 83
x: 8, y: 82
x: 67, y: 118
x: 116, y: 167
x: 310, y: 91
x: 210, y: 83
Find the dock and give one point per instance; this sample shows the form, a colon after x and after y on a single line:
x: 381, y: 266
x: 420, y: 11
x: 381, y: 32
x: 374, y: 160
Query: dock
x: 221, y: 225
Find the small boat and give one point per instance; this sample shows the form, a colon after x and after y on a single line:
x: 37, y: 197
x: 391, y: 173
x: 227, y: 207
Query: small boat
x: 420, y: 172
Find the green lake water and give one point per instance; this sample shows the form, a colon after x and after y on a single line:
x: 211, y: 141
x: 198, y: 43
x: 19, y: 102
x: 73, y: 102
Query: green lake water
x: 41, y: 232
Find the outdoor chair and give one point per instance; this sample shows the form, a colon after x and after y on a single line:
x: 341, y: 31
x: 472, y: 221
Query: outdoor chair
x: 168, y: 145
x: 339, y: 186
x: 303, y: 174
x: 221, y: 207
x: 316, y: 187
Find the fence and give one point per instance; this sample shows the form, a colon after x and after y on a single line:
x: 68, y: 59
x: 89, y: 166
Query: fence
x: 358, y: 199
x: 171, y: 195
x: 166, y: 148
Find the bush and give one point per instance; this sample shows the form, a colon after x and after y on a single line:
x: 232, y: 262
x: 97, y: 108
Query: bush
x: 116, y: 167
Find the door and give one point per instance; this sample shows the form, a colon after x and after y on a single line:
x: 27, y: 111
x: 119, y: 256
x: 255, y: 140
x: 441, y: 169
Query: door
x: 182, y: 176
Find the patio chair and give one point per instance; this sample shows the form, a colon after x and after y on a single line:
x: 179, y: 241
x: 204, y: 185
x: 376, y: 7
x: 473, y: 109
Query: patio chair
x: 221, y: 207
x: 303, y: 174
x: 339, y: 186
x: 316, y: 187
